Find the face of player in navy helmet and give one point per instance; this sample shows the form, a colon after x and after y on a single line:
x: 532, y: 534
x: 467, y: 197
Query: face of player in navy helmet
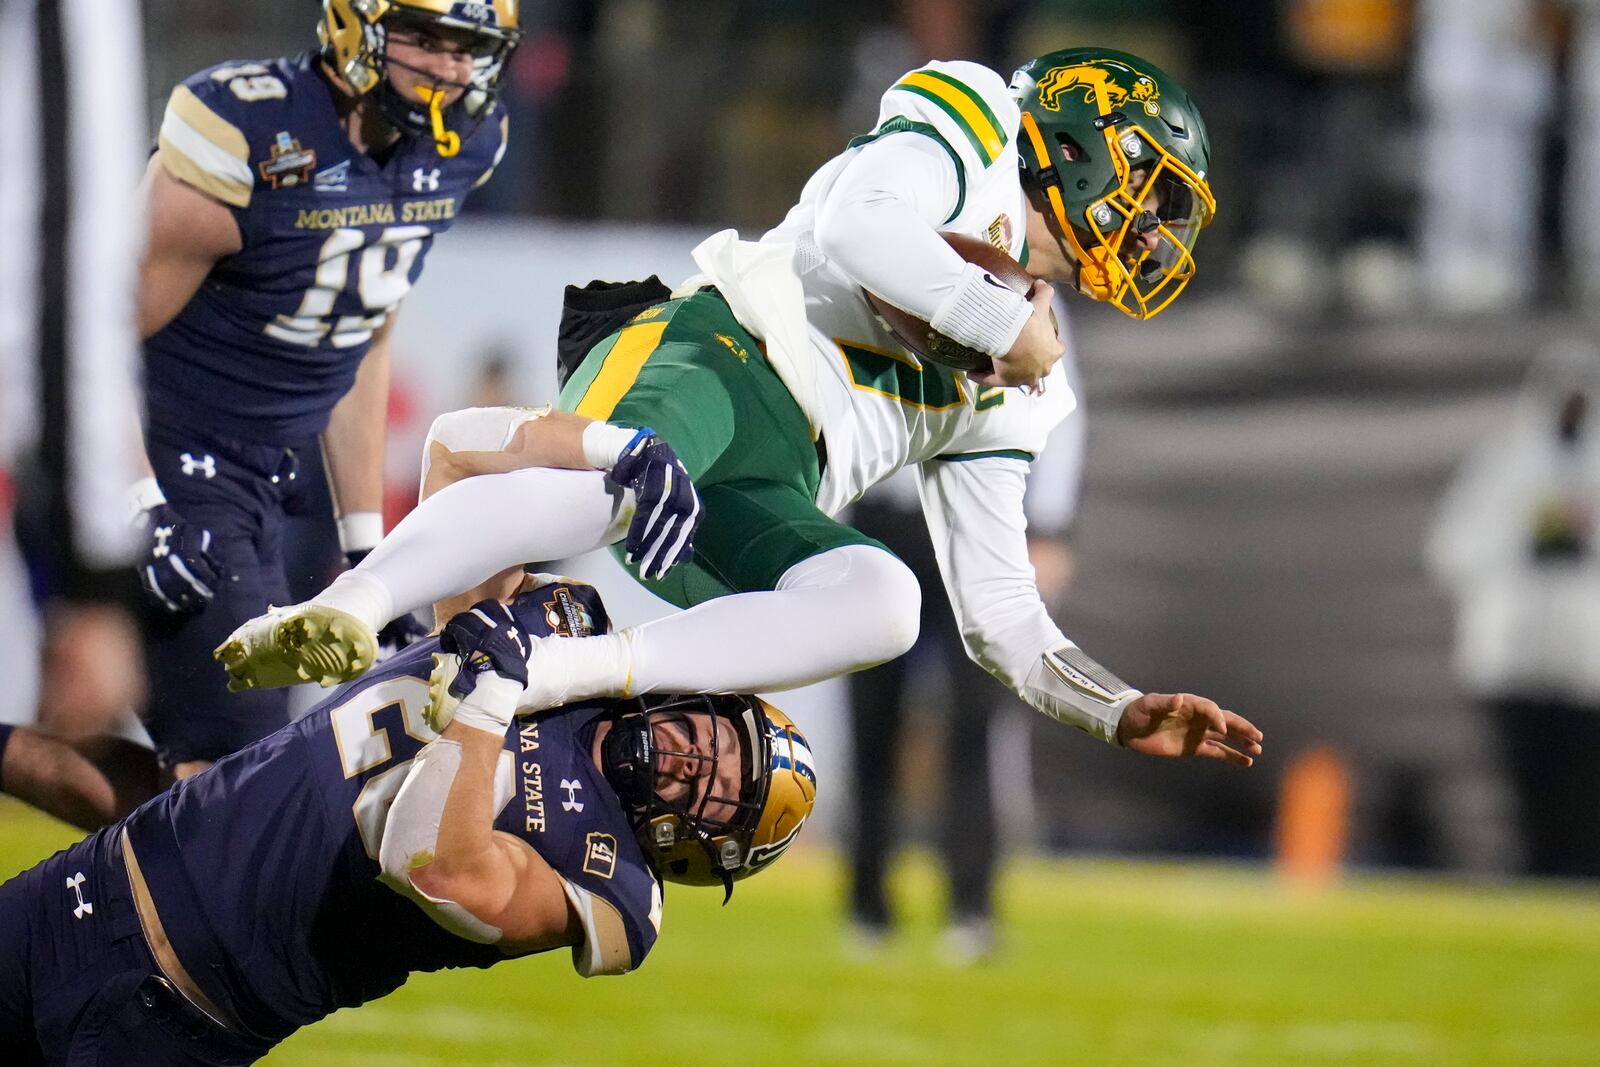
x: 716, y: 787
x: 432, y: 66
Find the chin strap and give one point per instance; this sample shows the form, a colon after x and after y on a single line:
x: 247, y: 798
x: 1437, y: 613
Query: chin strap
x: 448, y: 142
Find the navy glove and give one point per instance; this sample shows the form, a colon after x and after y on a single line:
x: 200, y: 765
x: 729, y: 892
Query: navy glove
x: 488, y: 638
x: 661, y: 534
x: 177, y: 570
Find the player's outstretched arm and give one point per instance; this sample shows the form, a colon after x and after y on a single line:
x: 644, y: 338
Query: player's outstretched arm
x: 1182, y: 724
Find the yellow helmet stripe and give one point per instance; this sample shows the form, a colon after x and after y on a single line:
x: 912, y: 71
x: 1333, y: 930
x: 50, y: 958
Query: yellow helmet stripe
x: 620, y: 369
x: 964, y: 106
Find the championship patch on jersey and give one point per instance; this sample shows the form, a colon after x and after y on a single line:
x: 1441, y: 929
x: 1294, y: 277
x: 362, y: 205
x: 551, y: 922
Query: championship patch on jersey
x: 290, y: 165
x: 600, y: 855
x: 567, y: 615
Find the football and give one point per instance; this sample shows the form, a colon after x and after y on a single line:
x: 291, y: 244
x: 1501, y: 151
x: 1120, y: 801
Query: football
x: 922, y: 339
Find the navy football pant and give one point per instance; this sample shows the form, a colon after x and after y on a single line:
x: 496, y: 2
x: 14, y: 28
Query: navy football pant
x: 78, y: 985
x: 241, y: 493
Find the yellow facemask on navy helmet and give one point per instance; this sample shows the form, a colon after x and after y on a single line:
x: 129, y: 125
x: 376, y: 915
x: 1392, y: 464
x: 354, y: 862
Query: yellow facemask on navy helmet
x: 354, y: 36
x: 706, y: 837
x: 1118, y: 152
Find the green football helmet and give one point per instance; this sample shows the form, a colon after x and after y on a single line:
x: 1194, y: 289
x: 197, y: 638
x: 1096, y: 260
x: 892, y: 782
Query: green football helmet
x: 1118, y: 151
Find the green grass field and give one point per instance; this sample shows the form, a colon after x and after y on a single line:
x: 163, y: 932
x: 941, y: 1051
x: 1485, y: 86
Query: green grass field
x: 1104, y: 963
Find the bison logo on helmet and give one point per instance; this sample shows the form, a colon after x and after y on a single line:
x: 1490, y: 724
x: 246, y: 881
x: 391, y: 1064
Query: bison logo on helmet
x: 1115, y: 83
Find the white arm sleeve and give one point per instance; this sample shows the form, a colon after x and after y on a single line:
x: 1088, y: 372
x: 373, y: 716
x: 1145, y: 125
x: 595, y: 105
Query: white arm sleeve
x: 879, y: 223
x: 1057, y: 472
x: 980, y: 536
x: 975, y: 516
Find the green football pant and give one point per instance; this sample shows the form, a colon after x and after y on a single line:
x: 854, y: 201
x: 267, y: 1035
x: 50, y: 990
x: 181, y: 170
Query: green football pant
x: 689, y: 371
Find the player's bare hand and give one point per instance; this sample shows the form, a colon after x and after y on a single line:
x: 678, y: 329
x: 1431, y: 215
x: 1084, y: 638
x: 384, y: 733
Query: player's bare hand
x: 1182, y: 724
x: 1037, y: 347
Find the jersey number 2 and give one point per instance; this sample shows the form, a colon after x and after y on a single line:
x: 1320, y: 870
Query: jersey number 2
x: 379, y: 730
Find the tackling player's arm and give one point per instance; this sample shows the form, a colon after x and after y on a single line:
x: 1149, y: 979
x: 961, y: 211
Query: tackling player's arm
x: 660, y: 535
x: 545, y: 438
x: 352, y: 448
x: 494, y: 877
x: 440, y: 841
x: 974, y: 508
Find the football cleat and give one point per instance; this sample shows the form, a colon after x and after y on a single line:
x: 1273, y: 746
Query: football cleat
x: 442, y: 703
x: 305, y: 643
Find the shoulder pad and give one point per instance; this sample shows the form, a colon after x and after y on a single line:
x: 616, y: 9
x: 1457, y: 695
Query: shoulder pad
x: 203, y: 140
x: 615, y: 941
x: 967, y: 104
x: 561, y: 607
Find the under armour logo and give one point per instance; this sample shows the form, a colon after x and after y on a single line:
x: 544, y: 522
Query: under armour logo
x: 572, y: 803
x: 75, y: 883
x: 425, y: 181
x: 206, y: 466
x: 511, y: 632
x: 163, y: 535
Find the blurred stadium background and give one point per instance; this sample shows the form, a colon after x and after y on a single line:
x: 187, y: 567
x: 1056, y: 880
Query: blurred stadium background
x: 1262, y: 463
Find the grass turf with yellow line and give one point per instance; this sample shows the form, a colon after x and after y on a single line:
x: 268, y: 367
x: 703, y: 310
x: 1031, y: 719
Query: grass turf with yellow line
x: 1102, y: 963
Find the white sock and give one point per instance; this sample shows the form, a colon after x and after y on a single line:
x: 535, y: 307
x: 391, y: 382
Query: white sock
x: 472, y: 530
x: 839, y: 611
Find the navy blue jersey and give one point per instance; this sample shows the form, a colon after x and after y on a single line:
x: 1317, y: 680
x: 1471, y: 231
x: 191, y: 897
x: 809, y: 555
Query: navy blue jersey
x: 333, y: 239
x: 264, y: 870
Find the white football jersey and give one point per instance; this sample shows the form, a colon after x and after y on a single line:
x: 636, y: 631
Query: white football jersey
x: 941, y: 158
x: 876, y: 406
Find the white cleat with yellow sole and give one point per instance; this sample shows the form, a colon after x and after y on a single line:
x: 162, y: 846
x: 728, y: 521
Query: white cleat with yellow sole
x: 304, y: 643
x: 441, y: 709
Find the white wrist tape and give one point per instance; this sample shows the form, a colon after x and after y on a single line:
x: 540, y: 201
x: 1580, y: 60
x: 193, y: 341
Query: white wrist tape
x: 360, y: 531
x: 490, y: 706
x: 562, y: 670
x: 603, y: 443
x: 143, y: 495
x: 411, y: 837
x: 983, y: 313
x: 1070, y: 687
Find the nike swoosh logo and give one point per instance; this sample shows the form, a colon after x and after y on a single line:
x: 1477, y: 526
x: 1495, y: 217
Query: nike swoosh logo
x: 996, y: 282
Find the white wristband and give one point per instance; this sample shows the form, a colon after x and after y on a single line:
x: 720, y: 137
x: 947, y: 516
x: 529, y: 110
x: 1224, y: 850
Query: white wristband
x: 143, y: 495
x: 491, y: 704
x: 1071, y: 688
x: 983, y: 313
x: 603, y: 443
x: 360, y: 531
